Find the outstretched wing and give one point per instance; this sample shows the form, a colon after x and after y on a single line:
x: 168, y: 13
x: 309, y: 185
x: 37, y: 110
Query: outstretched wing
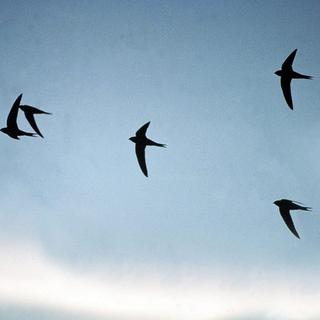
x: 142, y: 131
x: 28, y: 112
x: 289, y: 61
x: 285, y: 214
x: 140, y: 152
x: 286, y: 89
x: 30, y: 117
x: 34, y: 110
x: 13, y: 114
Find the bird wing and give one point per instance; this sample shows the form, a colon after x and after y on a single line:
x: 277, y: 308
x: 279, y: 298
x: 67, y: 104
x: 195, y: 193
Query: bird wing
x: 286, y: 89
x: 285, y: 214
x: 140, y: 152
x: 30, y: 117
x: 25, y: 107
x: 142, y: 131
x: 13, y: 114
x: 289, y: 61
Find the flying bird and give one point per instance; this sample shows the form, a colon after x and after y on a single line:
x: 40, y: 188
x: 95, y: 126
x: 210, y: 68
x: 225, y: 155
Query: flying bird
x: 141, y: 142
x: 287, y: 74
x: 12, y: 129
x: 285, y: 206
x: 29, y: 113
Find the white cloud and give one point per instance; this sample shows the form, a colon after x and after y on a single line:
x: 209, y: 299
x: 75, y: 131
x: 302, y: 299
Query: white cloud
x: 30, y: 278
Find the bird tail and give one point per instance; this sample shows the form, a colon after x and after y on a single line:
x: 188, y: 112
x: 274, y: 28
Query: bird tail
x: 302, y: 206
x: 296, y: 75
x: 302, y: 76
x: 29, y: 134
x: 156, y: 144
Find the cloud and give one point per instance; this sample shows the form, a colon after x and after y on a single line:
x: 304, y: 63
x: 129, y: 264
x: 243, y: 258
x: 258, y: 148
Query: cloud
x: 29, y: 278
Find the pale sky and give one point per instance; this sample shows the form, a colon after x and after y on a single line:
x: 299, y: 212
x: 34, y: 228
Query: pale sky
x: 84, y: 233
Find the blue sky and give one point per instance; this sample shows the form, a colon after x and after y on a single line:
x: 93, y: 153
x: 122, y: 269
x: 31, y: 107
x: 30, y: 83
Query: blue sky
x: 202, y: 73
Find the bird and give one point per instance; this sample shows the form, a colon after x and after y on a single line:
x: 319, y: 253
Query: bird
x: 29, y: 113
x: 287, y: 74
x: 12, y: 129
x: 285, y: 206
x: 141, y: 142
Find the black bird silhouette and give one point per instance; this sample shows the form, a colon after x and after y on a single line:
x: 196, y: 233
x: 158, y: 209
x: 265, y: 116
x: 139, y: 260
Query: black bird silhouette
x: 287, y: 74
x: 29, y: 113
x: 141, y: 142
x: 285, y: 206
x: 12, y: 129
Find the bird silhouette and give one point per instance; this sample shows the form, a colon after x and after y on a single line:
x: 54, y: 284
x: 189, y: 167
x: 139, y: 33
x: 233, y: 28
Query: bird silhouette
x: 285, y: 206
x: 29, y: 113
x: 141, y: 142
x: 12, y: 129
x: 287, y: 74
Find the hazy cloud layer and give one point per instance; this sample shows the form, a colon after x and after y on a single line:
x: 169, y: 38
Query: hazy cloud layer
x: 29, y: 278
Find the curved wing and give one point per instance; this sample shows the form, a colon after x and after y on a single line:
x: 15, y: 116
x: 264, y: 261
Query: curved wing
x: 285, y: 214
x: 13, y: 114
x: 30, y: 117
x: 34, y: 110
x: 286, y: 89
x: 289, y: 61
x: 142, y: 131
x: 140, y: 152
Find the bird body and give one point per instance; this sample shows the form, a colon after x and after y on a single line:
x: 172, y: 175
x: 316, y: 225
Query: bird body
x: 287, y: 74
x: 292, y: 74
x: 141, y: 142
x: 15, y: 134
x: 285, y: 206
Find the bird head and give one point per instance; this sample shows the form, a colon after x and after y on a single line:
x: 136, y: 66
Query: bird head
x: 4, y: 130
x: 133, y: 139
x: 278, y: 73
x: 277, y: 203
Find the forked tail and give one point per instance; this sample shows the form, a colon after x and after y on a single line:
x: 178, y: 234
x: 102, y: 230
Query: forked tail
x: 152, y: 143
x: 302, y: 76
x: 29, y: 134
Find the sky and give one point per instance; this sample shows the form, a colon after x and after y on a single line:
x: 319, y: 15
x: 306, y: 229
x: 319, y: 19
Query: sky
x: 84, y: 235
